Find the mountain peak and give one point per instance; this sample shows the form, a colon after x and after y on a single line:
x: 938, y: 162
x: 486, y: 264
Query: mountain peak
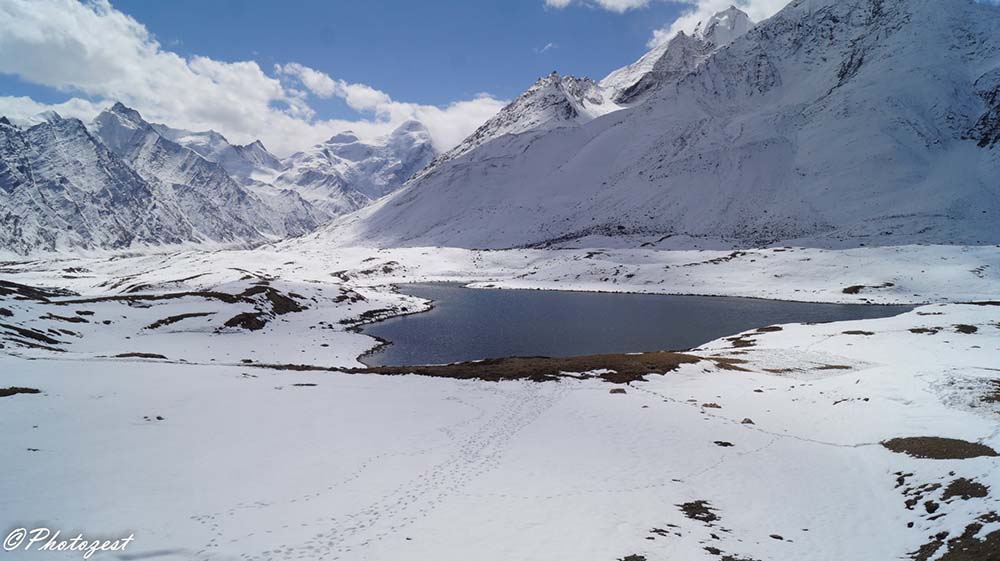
x: 5, y: 121
x: 724, y: 27
x: 346, y: 137
x: 124, y: 114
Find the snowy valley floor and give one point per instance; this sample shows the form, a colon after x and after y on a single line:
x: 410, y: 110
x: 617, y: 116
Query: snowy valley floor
x: 157, y: 413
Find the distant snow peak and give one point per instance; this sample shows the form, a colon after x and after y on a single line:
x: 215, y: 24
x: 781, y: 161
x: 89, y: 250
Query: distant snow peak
x: 345, y: 173
x: 724, y: 27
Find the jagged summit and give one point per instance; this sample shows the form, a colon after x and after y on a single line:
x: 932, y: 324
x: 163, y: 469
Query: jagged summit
x: 724, y: 27
x: 677, y: 57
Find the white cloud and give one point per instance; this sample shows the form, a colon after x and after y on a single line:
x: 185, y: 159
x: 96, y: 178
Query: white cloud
x: 93, y: 49
x: 619, y: 6
x: 701, y: 10
x: 548, y: 47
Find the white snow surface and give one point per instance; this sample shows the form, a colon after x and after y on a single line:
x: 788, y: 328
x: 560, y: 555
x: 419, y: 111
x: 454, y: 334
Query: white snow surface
x: 248, y: 463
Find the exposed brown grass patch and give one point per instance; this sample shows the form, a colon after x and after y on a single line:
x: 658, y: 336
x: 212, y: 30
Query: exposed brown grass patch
x: 14, y: 390
x: 701, y: 511
x: 619, y: 368
x: 965, y: 547
x: 174, y: 319
x: 141, y: 355
x: 937, y: 448
x: 965, y: 489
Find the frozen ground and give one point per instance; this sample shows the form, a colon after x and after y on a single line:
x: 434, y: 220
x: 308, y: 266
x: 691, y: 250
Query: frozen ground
x: 204, y: 454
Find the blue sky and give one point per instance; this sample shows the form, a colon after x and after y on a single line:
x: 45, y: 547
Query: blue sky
x: 296, y: 72
x: 424, y: 52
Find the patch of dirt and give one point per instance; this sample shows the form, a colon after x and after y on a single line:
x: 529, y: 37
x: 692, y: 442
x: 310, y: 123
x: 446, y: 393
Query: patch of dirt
x: 966, y: 547
x: 856, y: 289
x: 280, y: 303
x: 618, y: 368
x: 965, y: 489
x: 770, y: 329
x: 925, y: 330
x: 633, y: 558
x: 25, y: 292
x: 7, y: 392
x: 856, y: 332
x: 174, y: 319
x: 966, y: 329
x: 937, y: 448
x: 5, y: 313
x: 71, y: 319
x: 31, y: 334
x: 701, y: 511
x: 141, y: 355
x: 742, y: 342
x: 617, y: 390
x: 250, y: 321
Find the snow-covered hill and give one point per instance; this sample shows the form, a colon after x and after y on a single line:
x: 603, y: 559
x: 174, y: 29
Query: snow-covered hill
x: 835, y: 122
x: 345, y: 173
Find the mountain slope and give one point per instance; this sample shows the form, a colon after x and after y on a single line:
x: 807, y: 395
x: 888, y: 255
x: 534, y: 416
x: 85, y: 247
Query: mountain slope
x: 556, y: 101
x: 244, y: 162
x: 345, y: 173
x: 218, y: 207
x: 60, y: 187
x: 676, y: 58
x: 834, y: 122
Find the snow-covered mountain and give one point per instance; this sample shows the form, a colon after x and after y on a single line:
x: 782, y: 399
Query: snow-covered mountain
x: 244, y: 162
x: 345, y: 173
x: 556, y: 101
x: 120, y: 182
x: 834, y: 122
x: 216, y: 205
x: 677, y: 57
x: 60, y: 187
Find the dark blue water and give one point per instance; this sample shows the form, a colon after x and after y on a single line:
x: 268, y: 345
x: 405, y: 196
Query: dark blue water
x: 472, y: 324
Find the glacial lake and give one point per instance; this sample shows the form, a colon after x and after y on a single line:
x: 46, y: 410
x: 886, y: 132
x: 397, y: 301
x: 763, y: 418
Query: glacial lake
x: 471, y: 324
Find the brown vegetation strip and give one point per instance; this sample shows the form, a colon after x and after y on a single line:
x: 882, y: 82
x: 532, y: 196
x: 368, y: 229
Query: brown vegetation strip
x: 937, y: 448
x: 24, y: 291
x: 7, y: 392
x: 141, y: 355
x: 174, y: 319
x: 625, y: 367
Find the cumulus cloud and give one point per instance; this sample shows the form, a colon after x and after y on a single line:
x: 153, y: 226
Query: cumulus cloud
x: 97, y: 54
x: 619, y: 6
